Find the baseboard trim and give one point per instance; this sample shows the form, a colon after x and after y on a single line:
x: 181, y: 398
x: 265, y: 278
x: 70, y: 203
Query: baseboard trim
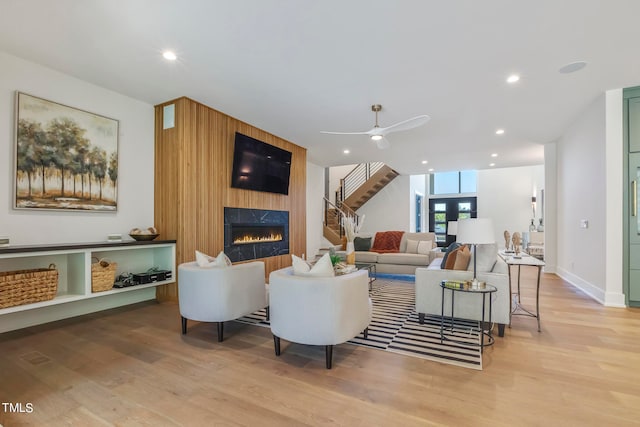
x: 608, y: 299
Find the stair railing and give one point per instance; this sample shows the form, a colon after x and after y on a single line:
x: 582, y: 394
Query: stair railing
x: 354, y: 179
x: 344, y: 210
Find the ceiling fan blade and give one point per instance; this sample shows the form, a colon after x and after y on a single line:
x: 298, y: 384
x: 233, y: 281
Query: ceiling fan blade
x: 383, y: 143
x: 406, y: 124
x: 345, y: 133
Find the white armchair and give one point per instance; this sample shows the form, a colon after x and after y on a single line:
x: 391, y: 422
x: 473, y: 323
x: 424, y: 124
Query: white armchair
x: 318, y: 310
x: 219, y: 294
x: 467, y: 306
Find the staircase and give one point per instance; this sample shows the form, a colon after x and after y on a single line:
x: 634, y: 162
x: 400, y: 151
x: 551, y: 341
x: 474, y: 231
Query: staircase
x: 360, y: 185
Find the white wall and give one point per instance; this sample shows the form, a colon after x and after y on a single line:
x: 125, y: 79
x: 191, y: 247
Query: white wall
x: 581, y: 195
x: 136, y: 153
x: 389, y: 209
x: 315, y: 209
x: 505, y: 196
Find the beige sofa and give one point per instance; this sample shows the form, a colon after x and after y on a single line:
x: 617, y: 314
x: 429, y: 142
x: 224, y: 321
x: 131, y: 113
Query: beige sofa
x: 490, y: 269
x: 402, y: 262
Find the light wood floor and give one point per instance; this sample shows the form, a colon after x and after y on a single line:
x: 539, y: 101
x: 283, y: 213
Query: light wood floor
x: 132, y: 367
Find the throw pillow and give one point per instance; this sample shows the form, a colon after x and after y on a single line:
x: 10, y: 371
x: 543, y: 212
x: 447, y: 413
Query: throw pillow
x: 412, y: 246
x: 322, y: 268
x: 451, y: 259
x: 450, y: 248
x: 206, y: 261
x: 299, y: 265
x: 462, y: 258
x: 362, y: 244
x: 424, y: 247
x: 485, y: 258
x: 387, y: 242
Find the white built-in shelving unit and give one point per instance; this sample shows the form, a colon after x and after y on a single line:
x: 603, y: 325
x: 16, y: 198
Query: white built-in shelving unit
x: 73, y: 262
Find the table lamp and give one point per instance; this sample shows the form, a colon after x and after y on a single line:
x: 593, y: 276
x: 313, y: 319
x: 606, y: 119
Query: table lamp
x: 475, y: 231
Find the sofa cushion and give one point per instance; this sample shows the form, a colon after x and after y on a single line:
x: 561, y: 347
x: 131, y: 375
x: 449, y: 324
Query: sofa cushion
x: 387, y: 241
x: 206, y: 261
x: 362, y: 243
x: 322, y: 267
x: 367, y: 257
x: 412, y: 246
x: 500, y: 267
x: 425, y: 247
x: 486, y: 257
x: 450, y: 248
x: 463, y: 255
x: 404, y: 259
x: 451, y: 259
x: 415, y: 236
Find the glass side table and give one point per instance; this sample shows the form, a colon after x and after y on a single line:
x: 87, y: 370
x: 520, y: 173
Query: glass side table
x: 484, y: 292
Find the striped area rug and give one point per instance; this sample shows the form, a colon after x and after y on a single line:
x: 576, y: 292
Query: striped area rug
x: 394, y: 327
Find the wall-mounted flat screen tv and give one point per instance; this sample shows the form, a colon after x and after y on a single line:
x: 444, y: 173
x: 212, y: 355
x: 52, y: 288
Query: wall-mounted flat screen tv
x: 260, y: 166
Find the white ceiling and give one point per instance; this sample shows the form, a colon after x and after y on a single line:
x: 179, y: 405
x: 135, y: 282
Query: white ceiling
x: 296, y: 67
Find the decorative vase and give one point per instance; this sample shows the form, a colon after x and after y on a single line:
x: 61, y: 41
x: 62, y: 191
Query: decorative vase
x: 532, y: 226
x: 540, y: 227
x: 351, y: 254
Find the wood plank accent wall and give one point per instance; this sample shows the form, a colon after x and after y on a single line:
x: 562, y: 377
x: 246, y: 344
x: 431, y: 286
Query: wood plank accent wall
x: 193, y: 163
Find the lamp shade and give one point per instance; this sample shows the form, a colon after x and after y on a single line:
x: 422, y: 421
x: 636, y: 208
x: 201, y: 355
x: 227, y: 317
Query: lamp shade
x: 475, y: 231
x: 452, y: 228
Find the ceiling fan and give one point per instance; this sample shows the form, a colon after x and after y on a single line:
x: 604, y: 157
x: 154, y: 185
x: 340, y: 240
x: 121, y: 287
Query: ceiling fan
x: 378, y: 133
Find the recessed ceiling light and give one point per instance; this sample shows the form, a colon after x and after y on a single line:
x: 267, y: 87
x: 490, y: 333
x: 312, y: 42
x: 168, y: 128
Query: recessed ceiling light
x: 572, y: 67
x: 169, y: 55
x: 500, y: 132
x: 430, y: 169
x: 494, y: 154
x: 492, y: 164
x: 424, y: 162
x: 346, y: 151
x: 513, y: 78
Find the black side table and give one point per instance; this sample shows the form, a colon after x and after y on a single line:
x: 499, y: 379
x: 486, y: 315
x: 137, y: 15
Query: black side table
x: 484, y: 292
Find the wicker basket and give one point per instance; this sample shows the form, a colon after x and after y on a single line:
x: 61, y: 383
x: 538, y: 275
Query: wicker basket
x: 103, y: 275
x: 28, y: 286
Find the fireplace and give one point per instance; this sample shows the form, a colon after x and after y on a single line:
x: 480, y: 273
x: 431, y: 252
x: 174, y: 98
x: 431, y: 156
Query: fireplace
x: 247, y: 234
x: 255, y: 233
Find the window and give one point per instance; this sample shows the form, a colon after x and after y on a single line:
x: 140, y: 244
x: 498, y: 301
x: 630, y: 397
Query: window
x: 443, y: 210
x: 463, y: 182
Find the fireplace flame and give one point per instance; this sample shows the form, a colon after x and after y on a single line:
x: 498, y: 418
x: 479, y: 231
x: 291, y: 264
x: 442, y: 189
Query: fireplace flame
x: 248, y: 238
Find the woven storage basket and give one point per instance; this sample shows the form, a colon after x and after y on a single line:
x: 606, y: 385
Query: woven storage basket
x: 27, y: 286
x: 103, y: 275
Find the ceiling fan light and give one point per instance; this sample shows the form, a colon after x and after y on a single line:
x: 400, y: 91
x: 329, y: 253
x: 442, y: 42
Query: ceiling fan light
x: 376, y: 137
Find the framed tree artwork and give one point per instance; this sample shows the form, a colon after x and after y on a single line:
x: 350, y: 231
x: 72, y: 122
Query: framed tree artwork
x: 65, y: 158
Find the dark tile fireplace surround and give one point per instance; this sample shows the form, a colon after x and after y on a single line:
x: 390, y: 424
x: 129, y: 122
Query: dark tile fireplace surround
x: 255, y: 233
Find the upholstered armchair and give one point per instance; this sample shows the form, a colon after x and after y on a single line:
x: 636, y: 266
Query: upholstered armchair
x: 318, y: 310
x: 220, y: 294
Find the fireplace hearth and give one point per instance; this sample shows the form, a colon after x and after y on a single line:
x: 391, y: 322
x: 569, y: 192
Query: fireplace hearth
x: 255, y: 233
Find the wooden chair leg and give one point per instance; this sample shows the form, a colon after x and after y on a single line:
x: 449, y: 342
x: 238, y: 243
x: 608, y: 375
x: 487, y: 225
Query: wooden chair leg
x: 276, y: 344
x: 421, y: 318
x: 328, y: 349
x: 268, y: 313
x: 184, y: 325
x: 366, y: 333
x: 220, y: 331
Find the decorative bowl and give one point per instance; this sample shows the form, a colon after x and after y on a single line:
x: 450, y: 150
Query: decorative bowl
x: 143, y: 237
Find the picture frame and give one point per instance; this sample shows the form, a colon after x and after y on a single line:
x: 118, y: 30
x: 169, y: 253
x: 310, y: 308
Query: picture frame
x: 66, y: 159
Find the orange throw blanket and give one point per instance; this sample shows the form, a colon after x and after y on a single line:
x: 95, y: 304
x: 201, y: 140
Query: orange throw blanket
x: 387, y: 242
